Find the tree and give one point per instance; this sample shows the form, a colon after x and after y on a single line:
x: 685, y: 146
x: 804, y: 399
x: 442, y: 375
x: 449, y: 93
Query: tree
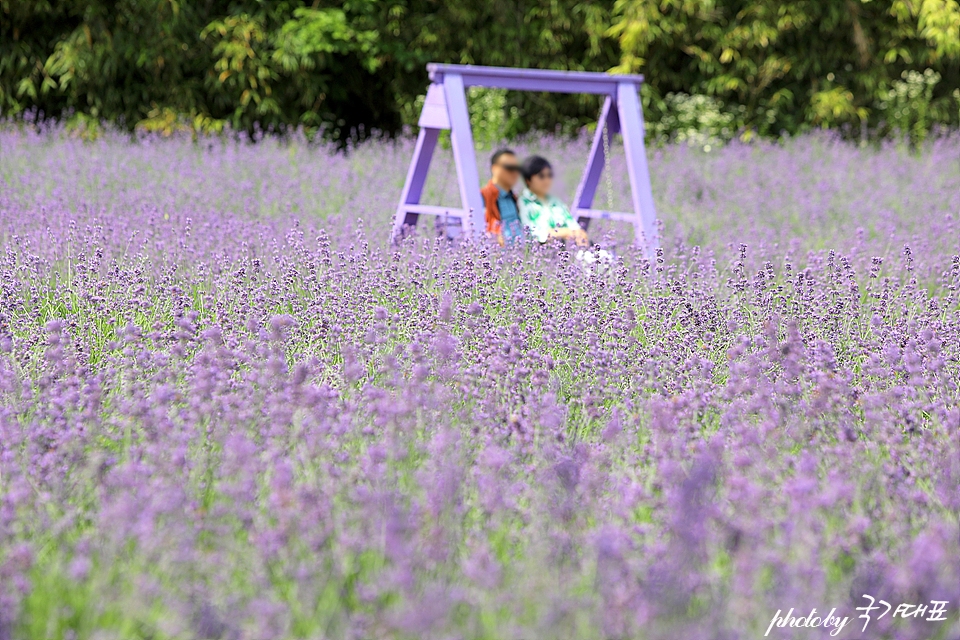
x: 793, y: 64
x: 348, y: 68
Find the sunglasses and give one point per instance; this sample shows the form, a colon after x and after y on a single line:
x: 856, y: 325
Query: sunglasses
x: 512, y: 168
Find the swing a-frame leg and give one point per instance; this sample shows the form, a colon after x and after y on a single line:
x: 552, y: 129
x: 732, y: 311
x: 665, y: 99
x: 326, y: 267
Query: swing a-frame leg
x: 620, y: 114
x: 607, y: 126
x: 445, y: 108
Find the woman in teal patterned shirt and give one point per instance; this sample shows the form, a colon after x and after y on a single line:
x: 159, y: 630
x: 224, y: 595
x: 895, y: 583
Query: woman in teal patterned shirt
x: 544, y: 216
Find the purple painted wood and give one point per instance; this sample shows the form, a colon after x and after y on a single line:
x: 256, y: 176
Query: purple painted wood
x: 435, y: 112
x: 583, y: 198
x: 464, y: 155
x: 416, y: 177
x: 433, y: 210
x: 631, y: 125
x: 533, y: 79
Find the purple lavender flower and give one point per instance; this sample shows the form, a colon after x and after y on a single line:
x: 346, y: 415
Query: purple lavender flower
x: 230, y: 409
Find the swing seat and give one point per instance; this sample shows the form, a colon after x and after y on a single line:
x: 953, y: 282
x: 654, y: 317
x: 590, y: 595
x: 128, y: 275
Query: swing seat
x: 445, y: 108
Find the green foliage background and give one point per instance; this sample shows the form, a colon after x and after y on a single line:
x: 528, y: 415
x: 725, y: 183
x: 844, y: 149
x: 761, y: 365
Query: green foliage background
x: 715, y: 68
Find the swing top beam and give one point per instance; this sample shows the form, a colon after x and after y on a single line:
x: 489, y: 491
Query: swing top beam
x: 533, y: 79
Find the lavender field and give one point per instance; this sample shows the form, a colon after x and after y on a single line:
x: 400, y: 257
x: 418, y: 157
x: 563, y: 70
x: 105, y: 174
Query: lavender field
x: 230, y: 409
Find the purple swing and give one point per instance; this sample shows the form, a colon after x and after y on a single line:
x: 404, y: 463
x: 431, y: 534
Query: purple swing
x: 445, y: 107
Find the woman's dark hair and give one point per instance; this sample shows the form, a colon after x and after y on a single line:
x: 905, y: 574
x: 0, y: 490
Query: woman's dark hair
x: 534, y: 165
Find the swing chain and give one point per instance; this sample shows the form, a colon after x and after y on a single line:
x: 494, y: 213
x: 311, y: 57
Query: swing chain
x: 608, y: 170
